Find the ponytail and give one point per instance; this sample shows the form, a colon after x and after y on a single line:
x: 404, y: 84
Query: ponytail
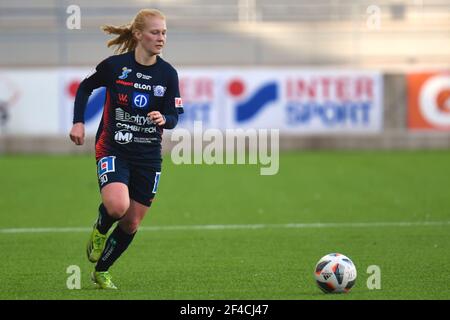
x: 125, y: 41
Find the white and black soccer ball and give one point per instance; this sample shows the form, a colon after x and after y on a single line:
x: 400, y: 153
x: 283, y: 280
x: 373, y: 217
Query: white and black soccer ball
x: 335, y: 273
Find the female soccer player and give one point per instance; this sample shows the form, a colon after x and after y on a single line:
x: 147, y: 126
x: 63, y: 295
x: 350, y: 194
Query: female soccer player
x: 142, y: 99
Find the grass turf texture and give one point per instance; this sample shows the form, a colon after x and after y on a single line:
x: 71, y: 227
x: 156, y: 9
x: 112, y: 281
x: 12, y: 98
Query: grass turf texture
x: 266, y: 263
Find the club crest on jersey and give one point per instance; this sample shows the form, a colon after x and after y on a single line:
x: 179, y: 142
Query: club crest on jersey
x: 105, y: 165
x: 159, y: 91
x: 125, y: 72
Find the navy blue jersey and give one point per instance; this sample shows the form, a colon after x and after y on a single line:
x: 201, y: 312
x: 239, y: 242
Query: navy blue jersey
x: 132, y: 91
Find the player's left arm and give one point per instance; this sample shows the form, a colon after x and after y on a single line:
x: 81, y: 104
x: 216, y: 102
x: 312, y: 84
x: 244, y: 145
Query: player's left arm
x: 172, y: 105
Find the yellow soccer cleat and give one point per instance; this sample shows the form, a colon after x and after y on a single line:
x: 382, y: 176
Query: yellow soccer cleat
x: 95, y: 245
x: 103, y: 280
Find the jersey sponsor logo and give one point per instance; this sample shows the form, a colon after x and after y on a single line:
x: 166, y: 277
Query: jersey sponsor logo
x: 122, y: 99
x: 124, y: 116
x: 143, y: 86
x: 124, y: 83
x: 143, y: 76
x: 105, y: 165
x: 155, y: 184
x: 125, y: 72
x: 178, y: 103
x: 123, y: 137
x: 159, y: 91
x: 140, y: 100
x: 145, y: 140
x: 135, y: 128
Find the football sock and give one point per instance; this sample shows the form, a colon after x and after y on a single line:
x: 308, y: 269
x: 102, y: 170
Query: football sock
x: 116, y: 244
x: 104, y: 221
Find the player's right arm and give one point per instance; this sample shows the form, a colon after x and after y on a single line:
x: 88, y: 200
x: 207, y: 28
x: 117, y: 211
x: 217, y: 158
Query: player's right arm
x: 77, y: 133
x: 96, y: 80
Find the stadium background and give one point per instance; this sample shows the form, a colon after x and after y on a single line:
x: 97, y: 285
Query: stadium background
x: 227, y: 52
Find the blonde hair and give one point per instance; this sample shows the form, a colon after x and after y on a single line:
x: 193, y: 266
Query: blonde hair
x: 125, y: 41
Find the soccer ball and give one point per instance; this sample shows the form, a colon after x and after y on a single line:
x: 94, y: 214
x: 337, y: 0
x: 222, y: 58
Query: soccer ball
x: 335, y: 273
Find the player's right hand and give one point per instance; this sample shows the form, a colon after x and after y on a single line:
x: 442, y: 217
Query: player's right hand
x: 77, y: 133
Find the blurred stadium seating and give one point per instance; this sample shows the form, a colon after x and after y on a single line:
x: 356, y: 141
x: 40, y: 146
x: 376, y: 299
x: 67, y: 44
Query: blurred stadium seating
x: 237, y: 32
x: 336, y: 34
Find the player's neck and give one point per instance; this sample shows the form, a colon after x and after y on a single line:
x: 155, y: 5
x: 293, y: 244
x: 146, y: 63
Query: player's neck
x: 143, y: 57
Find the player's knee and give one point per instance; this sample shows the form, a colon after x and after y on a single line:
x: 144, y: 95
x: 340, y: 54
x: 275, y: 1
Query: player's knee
x: 117, y: 208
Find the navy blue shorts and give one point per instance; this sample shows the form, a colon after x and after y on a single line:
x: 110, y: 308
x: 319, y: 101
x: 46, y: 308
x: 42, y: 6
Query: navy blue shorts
x: 142, y: 180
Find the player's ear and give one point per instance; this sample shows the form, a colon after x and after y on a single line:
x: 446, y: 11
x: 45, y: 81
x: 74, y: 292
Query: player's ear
x: 137, y: 35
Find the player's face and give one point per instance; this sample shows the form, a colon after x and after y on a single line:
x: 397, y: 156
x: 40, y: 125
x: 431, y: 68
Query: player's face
x: 153, y: 37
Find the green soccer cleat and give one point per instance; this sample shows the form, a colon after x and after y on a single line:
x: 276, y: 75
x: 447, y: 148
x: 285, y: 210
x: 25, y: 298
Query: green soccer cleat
x: 95, y: 245
x: 103, y: 280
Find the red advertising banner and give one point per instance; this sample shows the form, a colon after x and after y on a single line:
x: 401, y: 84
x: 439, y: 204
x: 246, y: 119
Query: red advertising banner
x: 429, y: 101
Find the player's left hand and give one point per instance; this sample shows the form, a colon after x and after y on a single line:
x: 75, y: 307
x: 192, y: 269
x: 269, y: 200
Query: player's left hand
x: 157, y: 118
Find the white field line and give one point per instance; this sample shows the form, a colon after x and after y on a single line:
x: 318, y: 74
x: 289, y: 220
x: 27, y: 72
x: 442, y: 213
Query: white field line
x: 243, y: 226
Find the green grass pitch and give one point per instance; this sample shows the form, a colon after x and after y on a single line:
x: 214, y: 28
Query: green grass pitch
x: 275, y: 261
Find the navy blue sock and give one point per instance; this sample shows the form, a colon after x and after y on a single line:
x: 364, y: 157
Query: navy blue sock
x: 104, y: 221
x: 116, y: 244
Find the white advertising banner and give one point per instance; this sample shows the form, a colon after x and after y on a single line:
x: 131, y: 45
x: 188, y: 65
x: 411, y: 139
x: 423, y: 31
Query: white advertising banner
x: 29, y: 102
x: 203, y: 98
x: 294, y: 101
